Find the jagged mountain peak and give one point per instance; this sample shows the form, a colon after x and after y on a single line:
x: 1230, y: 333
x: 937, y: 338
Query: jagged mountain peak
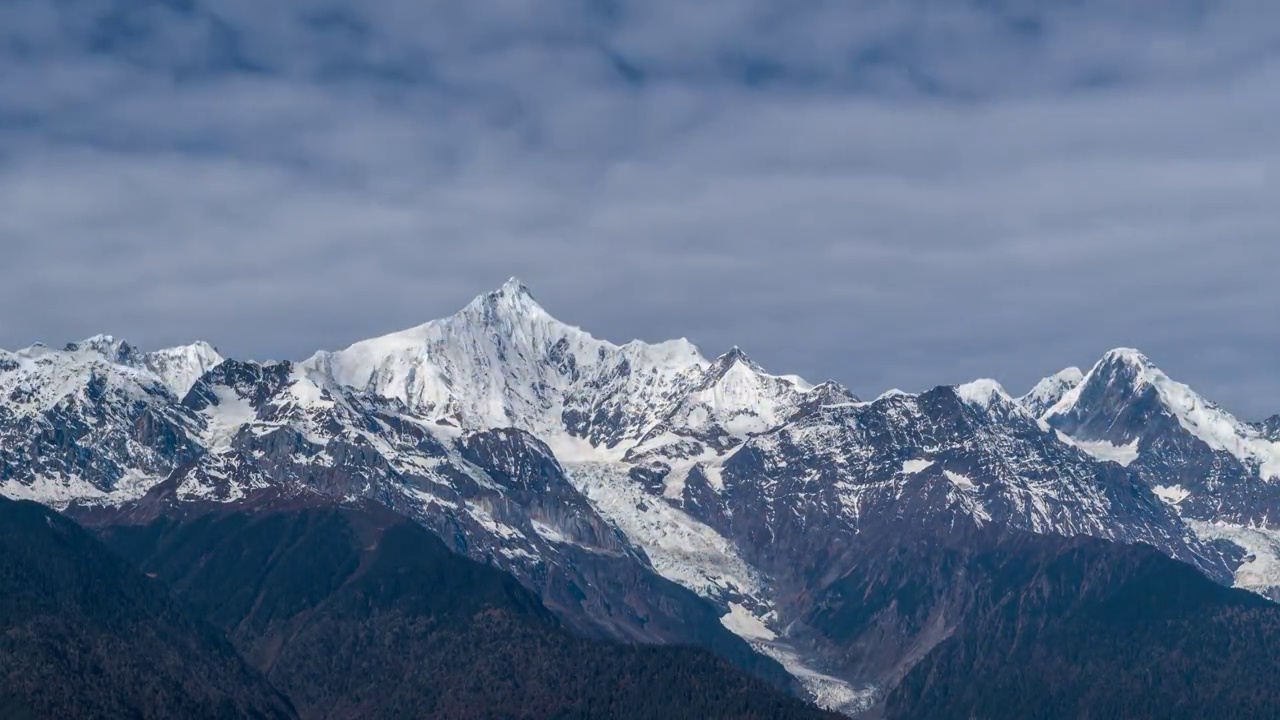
x: 114, y: 350
x: 512, y: 300
x: 1126, y: 401
x: 504, y: 361
x: 1270, y: 428
x: 1120, y: 373
x: 735, y: 357
x: 1050, y: 390
x: 177, y: 368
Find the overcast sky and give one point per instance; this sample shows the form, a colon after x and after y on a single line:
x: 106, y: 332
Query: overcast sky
x: 890, y: 193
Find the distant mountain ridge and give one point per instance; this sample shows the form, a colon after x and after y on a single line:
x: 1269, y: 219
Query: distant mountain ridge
x: 644, y: 491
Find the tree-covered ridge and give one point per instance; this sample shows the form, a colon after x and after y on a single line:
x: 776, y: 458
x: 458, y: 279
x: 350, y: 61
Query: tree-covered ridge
x: 361, y: 613
x: 84, y: 635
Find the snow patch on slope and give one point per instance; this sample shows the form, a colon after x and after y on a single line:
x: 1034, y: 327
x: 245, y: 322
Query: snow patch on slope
x: 742, y: 623
x: 225, y: 419
x: 911, y: 467
x: 1171, y: 494
x: 1103, y: 450
x: 962, y: 482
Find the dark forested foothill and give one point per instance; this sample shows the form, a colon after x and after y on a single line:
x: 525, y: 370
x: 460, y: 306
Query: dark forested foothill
x: 84, y: 635
x: 1033, y: 627
x: 359, y: 613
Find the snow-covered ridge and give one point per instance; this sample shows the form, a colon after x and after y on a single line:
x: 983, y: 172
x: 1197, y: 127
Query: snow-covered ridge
x: 177, y: 368
x: 505, y: 361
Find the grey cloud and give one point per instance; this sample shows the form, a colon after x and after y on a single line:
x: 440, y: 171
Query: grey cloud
x: 887, y: 193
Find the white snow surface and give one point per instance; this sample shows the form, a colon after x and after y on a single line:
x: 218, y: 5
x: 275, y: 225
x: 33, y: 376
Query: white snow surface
x: 1214, y: 426
x: 911, y: 467
x: 1171, y: 494
x: 742, y: 623
x: 1103, y: 450
x: 982, y: 392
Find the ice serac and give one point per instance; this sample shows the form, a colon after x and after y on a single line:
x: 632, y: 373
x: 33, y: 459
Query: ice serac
x: 1050, y: 390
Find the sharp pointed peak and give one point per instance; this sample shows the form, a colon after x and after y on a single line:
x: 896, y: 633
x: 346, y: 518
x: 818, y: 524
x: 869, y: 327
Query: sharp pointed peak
x: 512, y: 297
x: 514, y: 286
x: 735, y: 356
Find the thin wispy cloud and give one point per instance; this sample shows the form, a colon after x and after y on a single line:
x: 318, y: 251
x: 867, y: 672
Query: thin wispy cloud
x: 885, y: 193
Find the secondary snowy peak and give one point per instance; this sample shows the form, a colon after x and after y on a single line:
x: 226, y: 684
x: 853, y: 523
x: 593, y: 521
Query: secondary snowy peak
x: 937, y: 458
x: 1126, y: 399
x: 983, y: 393
x: 180, y: 367
x: 177, y: 368
x: 87, y: 422
x: 1050, y: 390
x: 734, y: 400
x: 106, y: 346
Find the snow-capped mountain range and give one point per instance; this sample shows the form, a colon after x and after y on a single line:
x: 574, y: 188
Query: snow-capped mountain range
x: 646, y: 491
